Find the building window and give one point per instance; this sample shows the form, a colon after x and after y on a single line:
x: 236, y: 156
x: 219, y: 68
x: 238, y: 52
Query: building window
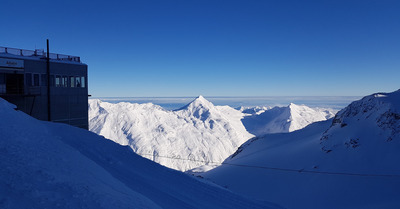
x: 2, y: 83
x: 62, y: 81
x: 58, y: 81
x: 2, y: 78
x: 28, y: 79
x: 36, y: 81
x: 43, y: 78
x: 65, y: 78
x: 72, y: 81
x: 83, y: 83
x: 51, y: 80
x: 78, y: 82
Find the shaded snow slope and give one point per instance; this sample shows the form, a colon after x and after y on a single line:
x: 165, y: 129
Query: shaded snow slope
x: 200, y: 131
x: 284, y: 119
x: 350, y: 161
x: 379, y: 113
x: 48, y: 165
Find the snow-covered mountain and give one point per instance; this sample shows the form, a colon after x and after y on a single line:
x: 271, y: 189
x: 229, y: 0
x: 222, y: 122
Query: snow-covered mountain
x: 200, y: 132
x: 350, y: 161
x: 283, y: 119
x: 50, y: 165
x: 379, y: 113
x: 253, y: 110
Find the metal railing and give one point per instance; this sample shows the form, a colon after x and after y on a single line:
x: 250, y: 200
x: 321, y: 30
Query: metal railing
x: 38, y: 53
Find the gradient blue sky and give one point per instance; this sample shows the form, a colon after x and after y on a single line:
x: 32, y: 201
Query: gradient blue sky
x: 217, y: 47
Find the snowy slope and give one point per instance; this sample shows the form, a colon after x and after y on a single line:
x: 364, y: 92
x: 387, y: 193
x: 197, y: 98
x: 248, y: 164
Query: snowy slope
x: 200, y: 131
x: 350, y: 161
x: 284, y: 119
x: 48, y: 165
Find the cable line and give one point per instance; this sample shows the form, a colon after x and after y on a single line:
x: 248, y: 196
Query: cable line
x: 276, y: 168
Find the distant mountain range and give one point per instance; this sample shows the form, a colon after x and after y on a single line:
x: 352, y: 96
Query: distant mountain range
x: 195, y: 135
x: 198, y: 134
x: 283, y: 119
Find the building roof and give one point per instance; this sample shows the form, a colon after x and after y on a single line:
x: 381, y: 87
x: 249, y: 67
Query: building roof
x: 38, y: 55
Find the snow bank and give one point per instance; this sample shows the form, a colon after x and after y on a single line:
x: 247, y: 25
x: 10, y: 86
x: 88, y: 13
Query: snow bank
x: 48, y: 165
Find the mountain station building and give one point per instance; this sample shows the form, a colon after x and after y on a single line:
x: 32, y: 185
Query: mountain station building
x: 47, y: 86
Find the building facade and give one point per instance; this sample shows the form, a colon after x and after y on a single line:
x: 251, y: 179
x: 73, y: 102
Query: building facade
x: 24, y: 81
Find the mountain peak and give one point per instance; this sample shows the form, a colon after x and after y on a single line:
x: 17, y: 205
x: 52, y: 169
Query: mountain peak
x: 293, y: 105
x: 198, y: 103
x: 200, y: 100
x: 199, y: 108
x: 200, y: 97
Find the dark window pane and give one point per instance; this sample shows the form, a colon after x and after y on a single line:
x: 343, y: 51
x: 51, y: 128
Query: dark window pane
x: 62, y: 81
x: 51, y: 80
x: 36, y: 79
x: 2, y: 78
x: 28, y: 79
x: 44, y: 79
x: 78, y: 81
x: 2, y: 83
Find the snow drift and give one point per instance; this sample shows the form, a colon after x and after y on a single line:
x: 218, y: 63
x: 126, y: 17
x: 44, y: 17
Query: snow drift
x: 48, y: 165
x: 350, y: 161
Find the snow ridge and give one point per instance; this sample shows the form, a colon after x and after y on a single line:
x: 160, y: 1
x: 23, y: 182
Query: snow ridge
x: 285, y: 119
x: 379, y: 112
x: 351, y: 160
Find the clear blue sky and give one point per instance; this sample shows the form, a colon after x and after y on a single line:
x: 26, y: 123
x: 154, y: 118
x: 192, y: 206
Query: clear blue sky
x: 217, y: 47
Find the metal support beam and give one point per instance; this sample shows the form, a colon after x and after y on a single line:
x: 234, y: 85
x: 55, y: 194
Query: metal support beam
x: 48, y: 83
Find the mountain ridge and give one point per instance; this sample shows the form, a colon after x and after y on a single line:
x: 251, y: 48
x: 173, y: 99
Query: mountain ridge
x: 348, y: 161
x: 199, y: 132
x: 284, y: 119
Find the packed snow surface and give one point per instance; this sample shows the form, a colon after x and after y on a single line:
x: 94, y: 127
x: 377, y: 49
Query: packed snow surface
x: 350, y: 161
x: 48, y: 165
x: 195, y: 135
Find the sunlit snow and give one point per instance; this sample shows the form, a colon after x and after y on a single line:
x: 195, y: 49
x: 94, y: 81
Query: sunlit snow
x: 50, y: 165
x: 198, y: 134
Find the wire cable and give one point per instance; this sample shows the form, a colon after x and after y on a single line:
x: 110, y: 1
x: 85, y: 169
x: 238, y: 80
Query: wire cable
x: 277, y: 168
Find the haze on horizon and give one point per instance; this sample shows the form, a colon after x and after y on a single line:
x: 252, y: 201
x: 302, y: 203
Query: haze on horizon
x: 217, y: 48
